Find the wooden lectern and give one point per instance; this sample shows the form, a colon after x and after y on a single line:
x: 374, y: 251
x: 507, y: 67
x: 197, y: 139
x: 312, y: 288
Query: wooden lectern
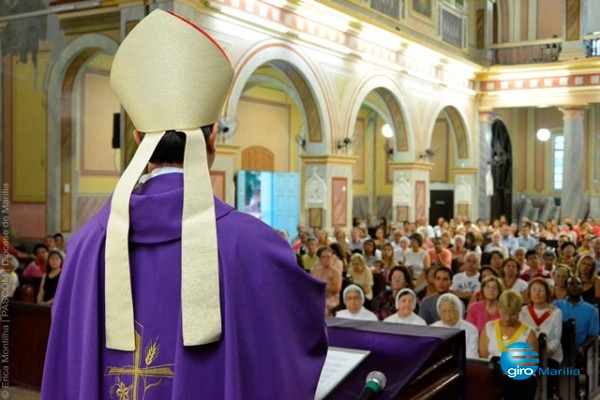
x: 419, y: 362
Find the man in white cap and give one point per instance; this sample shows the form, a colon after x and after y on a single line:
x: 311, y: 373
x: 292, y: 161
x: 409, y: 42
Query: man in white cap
x: 150, y: 304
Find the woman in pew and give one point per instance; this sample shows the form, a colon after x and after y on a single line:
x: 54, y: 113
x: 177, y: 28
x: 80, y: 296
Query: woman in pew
x: 544, y: 317
x: 388, y: 257
x: 361, y: 275
x: 506, y: 330
x: 567, y: 255
x: 8, y: 276
x: 406, y: 302
x: 354, y: 298
x: 496, y: 260
x: 49, y: 281
x: 450, y: 309
x: 487, y: 309
x: 510, y: 274
x: 484, y: 272
x: 371, y: 253
x: 384, y: 304
x: 586, y: 271
x: 339, y: 260
x: 416, y: 258
x: 560, y: 275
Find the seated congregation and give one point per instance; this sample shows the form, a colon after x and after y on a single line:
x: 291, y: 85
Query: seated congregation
x: 499, y: 284
x: 33, y: 276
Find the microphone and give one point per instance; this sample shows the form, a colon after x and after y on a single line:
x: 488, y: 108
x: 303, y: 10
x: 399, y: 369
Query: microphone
x: 375, y: 383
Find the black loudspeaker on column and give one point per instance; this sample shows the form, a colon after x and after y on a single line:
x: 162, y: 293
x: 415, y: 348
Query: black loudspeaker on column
x: 116, y: 136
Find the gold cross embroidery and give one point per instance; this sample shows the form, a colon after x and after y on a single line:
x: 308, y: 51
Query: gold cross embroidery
x: 137, y: 371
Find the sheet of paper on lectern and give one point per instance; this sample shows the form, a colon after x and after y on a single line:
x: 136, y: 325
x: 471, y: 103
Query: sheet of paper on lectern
x: 339, y: 364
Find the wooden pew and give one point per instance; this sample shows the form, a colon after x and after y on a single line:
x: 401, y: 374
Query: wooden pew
x: 542, y: 380
x: 568, y: 384
x: 28, y: 327
x: 585, y: 385
x: 483, y: 378
x: 592, y: 371
x: 28, y: 289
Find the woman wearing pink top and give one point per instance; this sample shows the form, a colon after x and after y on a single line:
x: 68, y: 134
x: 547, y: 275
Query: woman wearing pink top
x: 482, y: 311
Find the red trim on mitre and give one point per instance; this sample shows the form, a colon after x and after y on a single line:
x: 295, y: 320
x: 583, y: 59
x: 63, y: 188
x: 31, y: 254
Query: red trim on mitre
x: 202, y: 31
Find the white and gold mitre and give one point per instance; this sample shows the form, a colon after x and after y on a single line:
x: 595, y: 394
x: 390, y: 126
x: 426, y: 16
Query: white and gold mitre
x: 169, y: 75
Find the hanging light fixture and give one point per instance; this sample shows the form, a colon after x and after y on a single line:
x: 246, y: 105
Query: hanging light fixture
x: 386, y: 131
x: 543, y: 134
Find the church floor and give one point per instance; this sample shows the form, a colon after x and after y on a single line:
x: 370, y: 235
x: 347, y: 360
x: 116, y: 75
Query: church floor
x: 18, y: 393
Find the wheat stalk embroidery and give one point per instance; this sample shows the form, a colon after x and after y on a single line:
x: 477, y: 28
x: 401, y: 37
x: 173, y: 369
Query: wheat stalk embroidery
x: 141, y: 368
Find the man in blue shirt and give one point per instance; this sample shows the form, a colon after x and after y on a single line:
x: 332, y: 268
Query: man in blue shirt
x: 442, y: 281
x: 584, y: 314
x: 508, y: 239
x: 525, y: 239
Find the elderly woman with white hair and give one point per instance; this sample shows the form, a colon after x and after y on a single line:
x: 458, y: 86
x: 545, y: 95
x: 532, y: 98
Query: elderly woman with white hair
x: 8, y: 265
x: 406, y: 302
x: 459, y: 251
x: 451, y: 310
x: 354, y: 298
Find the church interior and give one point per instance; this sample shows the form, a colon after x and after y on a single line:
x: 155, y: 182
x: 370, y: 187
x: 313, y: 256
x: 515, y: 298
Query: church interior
x: 463, y: 85
x: 408, y: 110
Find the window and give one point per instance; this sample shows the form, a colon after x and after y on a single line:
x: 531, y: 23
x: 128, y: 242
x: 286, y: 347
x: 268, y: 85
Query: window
x: 558, y: 159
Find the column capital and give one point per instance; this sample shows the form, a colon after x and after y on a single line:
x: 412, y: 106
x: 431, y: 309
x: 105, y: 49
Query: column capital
x: 465, y: 171
x: 350, y: 160
x: 423, y: 166
x: 485, y: 114
x: 574, y: 111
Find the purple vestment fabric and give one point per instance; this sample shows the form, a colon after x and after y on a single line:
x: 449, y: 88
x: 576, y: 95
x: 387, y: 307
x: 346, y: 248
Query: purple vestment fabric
x: 273, y: 342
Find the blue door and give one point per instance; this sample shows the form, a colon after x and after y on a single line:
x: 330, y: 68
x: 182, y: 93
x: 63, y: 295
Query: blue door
x: 286, y: 201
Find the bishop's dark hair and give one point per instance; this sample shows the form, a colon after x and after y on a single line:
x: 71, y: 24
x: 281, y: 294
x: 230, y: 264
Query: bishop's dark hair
x: 171, y: 148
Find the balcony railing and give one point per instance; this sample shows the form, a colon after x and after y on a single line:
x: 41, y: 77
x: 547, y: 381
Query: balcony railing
x: 530, y: 52
x: 591, y: 45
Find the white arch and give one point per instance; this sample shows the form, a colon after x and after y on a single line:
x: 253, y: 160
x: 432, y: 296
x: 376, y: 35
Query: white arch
x: 93, y: 41
x: 272, y: 50
x: 370, y: 84
x: 441, y: 106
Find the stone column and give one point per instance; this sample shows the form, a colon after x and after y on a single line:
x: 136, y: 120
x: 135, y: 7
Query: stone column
x: 411, y: 190
x: 571, y: 198
x: 484, y: 10
x: 465, y: 198
x: 337, y: 172
x: 595, y: 165
x: 485, y: 154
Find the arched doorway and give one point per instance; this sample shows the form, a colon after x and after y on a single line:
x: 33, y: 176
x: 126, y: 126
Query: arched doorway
x: 82, y: 165
x: 447, y: 150
x: 375, y: 150
x: 501, y: 171
x: 274, y: 102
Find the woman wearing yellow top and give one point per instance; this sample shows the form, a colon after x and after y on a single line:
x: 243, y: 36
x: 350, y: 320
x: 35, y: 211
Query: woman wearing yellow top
x: 499, y: 334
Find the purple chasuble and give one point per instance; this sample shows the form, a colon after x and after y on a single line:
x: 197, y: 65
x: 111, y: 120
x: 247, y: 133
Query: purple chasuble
x: 273, y: 341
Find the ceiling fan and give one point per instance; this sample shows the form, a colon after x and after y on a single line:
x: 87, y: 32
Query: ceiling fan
x: 227, y: 127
